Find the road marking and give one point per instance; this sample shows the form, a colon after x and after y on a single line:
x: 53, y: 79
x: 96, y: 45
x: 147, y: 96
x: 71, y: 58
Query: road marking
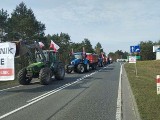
x: 36, y: 99
x: 10, y: 88
x: 118, y: 111
x: 15, y: 87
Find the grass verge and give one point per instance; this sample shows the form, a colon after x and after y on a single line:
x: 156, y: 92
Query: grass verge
x: 144, y: 88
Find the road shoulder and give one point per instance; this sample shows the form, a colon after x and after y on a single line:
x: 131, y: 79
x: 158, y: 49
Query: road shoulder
x: 129, y: 106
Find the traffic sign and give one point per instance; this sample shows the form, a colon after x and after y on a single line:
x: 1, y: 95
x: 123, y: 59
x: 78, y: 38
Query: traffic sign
x: 135, y: 49
x: 132, y: 59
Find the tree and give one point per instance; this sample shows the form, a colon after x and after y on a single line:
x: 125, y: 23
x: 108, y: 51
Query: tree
x: 87, y: 45
x: 147, y: 50
x: 23, y: 24
x: 3, y: 23
x: 98, y: 48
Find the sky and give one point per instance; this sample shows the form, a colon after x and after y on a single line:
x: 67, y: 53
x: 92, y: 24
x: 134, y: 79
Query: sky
x: 116, y: 24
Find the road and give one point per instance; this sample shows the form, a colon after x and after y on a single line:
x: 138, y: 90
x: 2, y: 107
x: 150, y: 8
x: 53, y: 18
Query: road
x: 88, y: 96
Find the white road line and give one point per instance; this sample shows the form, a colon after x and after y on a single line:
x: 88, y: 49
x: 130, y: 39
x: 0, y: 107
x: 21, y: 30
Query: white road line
x: 10, y: 88
x: 36, y: 99
x: 118, y: 111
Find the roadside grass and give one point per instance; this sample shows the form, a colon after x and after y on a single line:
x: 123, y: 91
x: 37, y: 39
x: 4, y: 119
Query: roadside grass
x: 144, y: 88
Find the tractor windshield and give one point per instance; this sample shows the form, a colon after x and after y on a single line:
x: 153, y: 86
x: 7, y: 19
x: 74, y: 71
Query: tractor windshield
x: 38, y: 57
x: 78, y: 56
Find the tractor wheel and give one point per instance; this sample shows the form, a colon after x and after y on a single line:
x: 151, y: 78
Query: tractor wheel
x: 45, y: 76
x: 87, y: 67
x: 94, y: 67
x: 22, y: 78
x: 60, y: 73
x: 68, y: 70
x: 80, y: 68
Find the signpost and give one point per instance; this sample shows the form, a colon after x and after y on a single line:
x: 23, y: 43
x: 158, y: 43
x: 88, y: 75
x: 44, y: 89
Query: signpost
x: 132, y: 59
x: 158, y: 84
x: 7, y: 53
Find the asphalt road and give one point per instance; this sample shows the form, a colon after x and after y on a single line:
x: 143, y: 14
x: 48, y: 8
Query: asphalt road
x: 89, y: 96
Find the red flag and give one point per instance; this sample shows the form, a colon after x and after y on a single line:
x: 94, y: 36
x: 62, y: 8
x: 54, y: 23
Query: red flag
x: 54, y: 46
x: 41, y: 44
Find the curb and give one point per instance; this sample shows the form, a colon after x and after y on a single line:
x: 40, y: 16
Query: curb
x: 129, y: 105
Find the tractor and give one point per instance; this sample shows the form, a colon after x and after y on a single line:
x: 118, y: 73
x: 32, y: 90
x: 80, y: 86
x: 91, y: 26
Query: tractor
x: 43, y: 64
x: 78, y: 63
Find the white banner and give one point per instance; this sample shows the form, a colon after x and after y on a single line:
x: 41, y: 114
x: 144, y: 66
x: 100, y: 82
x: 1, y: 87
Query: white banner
x: 7, y: 53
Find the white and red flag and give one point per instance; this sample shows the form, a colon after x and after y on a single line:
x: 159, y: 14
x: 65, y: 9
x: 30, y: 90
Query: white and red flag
x: 84, y: 51
x: 41, y: 44
x: 72, y: 52
x: 54, y: 46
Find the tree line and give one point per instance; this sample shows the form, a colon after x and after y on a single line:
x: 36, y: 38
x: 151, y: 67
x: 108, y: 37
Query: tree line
x: 22, y: 24
x: 146, y: 51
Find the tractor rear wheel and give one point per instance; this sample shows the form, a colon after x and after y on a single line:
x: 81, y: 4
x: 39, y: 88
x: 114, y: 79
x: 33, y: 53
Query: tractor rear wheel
x: 60, y: 72
x: 45, y: 76
x: 87, y: 67
x: 22, y: 78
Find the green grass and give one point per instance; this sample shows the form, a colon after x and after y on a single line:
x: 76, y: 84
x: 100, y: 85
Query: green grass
x: 144, y: 88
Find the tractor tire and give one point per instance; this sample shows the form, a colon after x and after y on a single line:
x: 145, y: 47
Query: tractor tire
x: 87, y: 67
x: 60, y: 72
x: 80, y: 68
x: 22, y: 78
x: 67, y: 70
x: 94, y: 67
x: 45, y: 76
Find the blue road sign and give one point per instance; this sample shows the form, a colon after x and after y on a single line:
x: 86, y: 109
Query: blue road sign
x: 137, y: 48
x: 131, y: 49
x: 134, y: 49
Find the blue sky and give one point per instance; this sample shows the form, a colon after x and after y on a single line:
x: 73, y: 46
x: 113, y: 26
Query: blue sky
x: 116, y: 24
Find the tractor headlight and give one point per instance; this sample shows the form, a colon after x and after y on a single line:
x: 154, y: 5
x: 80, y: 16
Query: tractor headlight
x: 72, y: 63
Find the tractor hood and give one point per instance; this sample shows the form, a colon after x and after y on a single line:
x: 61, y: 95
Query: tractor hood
x: 75, y: 61
x: 38, y: 64
x: 35, y: 67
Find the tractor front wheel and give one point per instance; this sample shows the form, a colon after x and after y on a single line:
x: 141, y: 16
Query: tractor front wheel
x: 22, y: 78
x: 60, y: 72
x: 67, y: 69
x: 80, y: 68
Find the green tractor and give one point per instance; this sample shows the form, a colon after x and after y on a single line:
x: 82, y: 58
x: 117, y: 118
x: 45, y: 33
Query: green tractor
x: 43, y: 64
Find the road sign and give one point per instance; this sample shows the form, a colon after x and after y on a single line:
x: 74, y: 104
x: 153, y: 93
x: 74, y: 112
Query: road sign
x: 131, y: 49
x: 135, y: 49
x: 132, y: 59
